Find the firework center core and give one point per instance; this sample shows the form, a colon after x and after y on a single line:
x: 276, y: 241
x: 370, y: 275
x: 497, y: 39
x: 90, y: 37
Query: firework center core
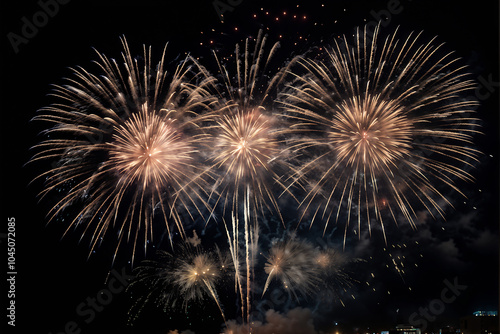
x: 148, y: 148
x: 370, y: 131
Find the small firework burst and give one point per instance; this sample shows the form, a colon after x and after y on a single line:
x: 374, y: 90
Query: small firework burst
x: 245, y: 136
x: 291, y: 263
x: 191, y: 276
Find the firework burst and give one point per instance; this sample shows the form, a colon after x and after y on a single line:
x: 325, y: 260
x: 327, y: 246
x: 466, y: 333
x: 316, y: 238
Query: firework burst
x: 245, y: 135
x: 333, y: 275
x: 124, y: 145
x: 386, y: 123
x: 245, y: 147
x: 189, y: 277
x: 292, y: 263
x: 244, y: 153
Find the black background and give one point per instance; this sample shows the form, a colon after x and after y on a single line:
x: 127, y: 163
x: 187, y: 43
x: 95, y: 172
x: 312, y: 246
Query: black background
x: 54, y: 275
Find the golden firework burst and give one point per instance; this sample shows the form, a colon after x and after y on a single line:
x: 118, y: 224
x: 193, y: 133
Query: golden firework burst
x: 124, y: 145
x: 384, y: 126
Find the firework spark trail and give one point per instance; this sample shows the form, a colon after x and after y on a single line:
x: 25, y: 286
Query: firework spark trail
x: 234, y: 251
x: 249, y: 263
x: 127, y: 136
x: 387, y: 125
x: 250, y: 248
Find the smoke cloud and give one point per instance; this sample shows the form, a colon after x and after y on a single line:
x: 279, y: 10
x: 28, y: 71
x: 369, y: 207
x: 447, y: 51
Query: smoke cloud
x: 296, y: 321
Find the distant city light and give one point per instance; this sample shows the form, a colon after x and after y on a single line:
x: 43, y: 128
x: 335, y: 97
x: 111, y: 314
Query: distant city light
x: 485, y: 313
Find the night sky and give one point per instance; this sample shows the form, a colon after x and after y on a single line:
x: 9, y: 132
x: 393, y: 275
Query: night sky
x: 55, y: 275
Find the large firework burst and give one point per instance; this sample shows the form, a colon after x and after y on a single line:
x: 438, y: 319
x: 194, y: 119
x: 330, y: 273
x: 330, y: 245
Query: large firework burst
x: 244, y: 134
x: 387, y: 124
x: 124, y: 143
